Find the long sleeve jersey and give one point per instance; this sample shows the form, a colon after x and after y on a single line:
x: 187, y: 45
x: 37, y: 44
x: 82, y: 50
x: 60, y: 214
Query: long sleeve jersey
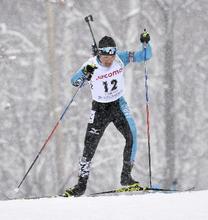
x: 107, y: 83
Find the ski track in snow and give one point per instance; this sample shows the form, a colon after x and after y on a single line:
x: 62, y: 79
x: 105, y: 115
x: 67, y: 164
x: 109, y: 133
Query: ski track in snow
x: 155, y: 206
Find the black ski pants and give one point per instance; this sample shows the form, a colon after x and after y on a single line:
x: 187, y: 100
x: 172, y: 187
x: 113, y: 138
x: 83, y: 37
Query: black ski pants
x: 102, y: 114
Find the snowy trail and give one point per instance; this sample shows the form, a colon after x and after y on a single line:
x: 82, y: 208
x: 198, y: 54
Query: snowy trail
x: 161, y: 206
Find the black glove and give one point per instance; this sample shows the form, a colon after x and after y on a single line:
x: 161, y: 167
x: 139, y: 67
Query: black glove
x: 89, y: 70
x: 145, y: 37
x: 94, y: 50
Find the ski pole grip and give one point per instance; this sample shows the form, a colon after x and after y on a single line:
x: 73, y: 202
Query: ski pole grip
x: 88, y: 18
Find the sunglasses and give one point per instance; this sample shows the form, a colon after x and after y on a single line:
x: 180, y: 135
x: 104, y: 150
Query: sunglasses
x: 107, y: 50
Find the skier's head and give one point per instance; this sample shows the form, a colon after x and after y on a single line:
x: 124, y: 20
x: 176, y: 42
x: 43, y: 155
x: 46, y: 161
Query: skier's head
x: 107, y: 46
x: 107, y: 51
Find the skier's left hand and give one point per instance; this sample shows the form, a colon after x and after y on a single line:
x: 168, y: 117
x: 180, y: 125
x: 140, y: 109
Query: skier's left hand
x: 145, y: 37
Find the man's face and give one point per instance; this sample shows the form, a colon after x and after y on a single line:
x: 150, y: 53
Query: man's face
x: 107, y: 60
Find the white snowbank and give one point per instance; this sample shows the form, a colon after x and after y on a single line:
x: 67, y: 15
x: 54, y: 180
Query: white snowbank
x: 156, y: 206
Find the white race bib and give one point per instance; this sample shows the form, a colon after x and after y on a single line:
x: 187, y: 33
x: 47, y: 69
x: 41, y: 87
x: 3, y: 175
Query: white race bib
x: 107, y: 83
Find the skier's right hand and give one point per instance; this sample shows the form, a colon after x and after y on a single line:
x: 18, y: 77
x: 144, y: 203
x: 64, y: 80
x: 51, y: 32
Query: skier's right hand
x: 89, y: 70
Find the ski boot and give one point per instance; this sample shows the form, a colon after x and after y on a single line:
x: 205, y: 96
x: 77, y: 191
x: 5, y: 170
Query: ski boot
x: 79, y: 189
x: 126, y: 178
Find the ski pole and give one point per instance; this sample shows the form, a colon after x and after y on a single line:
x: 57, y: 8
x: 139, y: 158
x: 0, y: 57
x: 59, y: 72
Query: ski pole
x: 94, y: 46
x: 147, y: 112
x: 49, y: 137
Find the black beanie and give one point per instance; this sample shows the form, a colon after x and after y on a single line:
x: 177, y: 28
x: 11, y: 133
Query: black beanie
x: 106, y: 42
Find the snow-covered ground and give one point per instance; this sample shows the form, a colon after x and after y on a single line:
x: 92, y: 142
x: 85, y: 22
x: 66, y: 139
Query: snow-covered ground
x: 156, y: 206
